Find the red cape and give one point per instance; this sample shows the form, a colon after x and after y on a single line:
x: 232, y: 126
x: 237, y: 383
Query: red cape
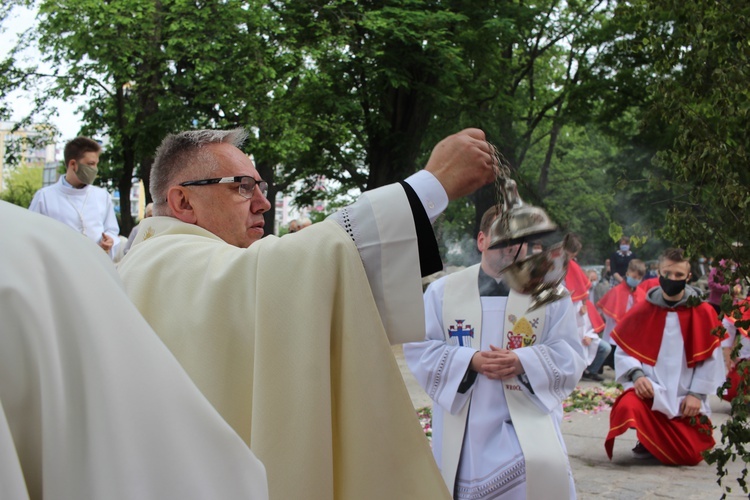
x: 615, y: 301
x: 577, y: 282
x: 596, y: 320
x: 640, y: 332
x: 648, y: 284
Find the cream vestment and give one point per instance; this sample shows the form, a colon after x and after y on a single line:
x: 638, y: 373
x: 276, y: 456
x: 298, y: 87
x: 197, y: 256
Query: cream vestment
x: 286, y: 339
x: 92, y: 405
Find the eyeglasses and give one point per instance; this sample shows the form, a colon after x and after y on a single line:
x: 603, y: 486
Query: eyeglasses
x: 246, y: 188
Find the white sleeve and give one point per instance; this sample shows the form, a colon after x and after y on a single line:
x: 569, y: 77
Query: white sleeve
x: 709, y: 374
x: 554, y: 367
x: 624, y: 364
x: 430, y: 192
x: 382, y: 227
x: 111, y: 228
x: 37, y: 203
x: 438, y: 367
x: 731, y: 333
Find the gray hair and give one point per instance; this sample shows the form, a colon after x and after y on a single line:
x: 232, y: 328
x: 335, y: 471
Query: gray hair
x: 185, y: 152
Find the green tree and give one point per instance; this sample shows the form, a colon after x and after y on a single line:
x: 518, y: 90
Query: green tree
x: 149, y: 68
x: 20, y: 184
x: 699, y: 55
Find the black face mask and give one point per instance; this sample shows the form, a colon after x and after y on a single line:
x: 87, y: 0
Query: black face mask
x: 672, y: 287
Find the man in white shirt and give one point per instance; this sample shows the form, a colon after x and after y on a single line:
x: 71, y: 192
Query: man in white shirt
x: 75, y: 202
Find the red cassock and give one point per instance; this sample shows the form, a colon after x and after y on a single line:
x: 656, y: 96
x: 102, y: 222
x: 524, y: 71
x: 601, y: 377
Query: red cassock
x: 675, y: 441
x: 578, y: 285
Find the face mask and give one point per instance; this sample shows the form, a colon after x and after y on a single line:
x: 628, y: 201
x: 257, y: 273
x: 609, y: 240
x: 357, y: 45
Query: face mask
x: 632, y: 282
x: 624, y: 248
x: 672, y: 287
x: 702, y: 260
x: 86, y: 173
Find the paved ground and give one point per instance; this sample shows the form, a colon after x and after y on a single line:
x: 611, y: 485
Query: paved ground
x: 624, y: 477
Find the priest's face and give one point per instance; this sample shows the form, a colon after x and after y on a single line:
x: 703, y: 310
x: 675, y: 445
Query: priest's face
x: 221, y: 209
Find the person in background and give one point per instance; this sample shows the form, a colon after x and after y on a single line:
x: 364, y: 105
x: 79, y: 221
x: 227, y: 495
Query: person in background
x: 148, y: 211
x: 699, y: 268
x: 652, y: 272
x: 293, y: 226
x: 536, y: 247
x: 732, y: 361
x: 598, y: 286
x: 590, y: 323
x: 619, y: 300
x: 75, y: 202
x: 718, y: 283
x: 607, y: 271
x: 620, y: 260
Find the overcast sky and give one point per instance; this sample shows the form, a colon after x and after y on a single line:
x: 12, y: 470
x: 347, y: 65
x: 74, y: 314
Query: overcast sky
x: 66, y: 118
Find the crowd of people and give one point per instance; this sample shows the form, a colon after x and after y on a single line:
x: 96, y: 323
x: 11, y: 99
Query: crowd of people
x: 660, y: 329
x: 178, y: 373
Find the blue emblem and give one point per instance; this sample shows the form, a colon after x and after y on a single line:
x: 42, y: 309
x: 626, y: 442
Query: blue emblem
x: 458, y: 332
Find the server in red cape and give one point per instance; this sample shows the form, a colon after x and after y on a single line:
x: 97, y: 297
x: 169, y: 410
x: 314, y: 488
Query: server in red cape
x: 669, y: 361
x: 590, y: 323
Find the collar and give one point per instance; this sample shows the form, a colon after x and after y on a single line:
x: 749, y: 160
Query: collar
x: 490, y: 287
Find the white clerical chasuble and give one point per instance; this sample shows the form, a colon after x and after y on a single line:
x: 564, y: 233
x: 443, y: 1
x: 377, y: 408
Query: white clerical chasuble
x: 670, y: 376
x: 491, y: 459
x: 88, y: 210
x: 286, y: 339
x: 92, y: 405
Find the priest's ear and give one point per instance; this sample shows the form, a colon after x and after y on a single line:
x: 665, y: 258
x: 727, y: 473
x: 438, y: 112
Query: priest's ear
x: 178, y: 199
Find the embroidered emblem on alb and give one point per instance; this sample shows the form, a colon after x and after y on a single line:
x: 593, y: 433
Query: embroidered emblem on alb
x: 522, y: 334
x: 149, y: 233
x: 461, y: 333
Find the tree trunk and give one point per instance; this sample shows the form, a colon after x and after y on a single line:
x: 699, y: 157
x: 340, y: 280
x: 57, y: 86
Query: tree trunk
x: 553, y: 135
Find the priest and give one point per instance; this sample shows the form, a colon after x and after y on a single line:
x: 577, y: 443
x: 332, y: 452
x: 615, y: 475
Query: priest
x: 316, y: 394
x: 669, y: 362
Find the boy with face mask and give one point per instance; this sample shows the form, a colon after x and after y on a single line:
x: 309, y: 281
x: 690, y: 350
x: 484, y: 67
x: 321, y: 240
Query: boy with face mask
x: 668, y: 362
x: 618, y: 300
x: 75, y: 202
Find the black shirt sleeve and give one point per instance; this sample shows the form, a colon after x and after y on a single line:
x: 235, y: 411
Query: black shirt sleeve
x: 429, y: 254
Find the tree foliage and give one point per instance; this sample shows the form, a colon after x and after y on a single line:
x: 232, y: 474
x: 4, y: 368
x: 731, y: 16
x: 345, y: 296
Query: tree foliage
x: 699, y: 54
x: 356, y: 91
x: 20, y: 184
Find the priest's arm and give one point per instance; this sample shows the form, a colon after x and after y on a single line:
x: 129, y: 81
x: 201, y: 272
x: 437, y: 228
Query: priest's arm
x: 391, y: 227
